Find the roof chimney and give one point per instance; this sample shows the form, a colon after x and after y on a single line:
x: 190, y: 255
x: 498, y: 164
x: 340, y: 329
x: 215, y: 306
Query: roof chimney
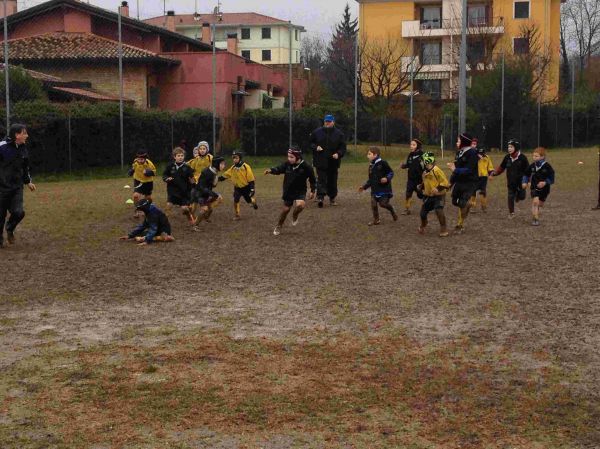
x: 205, y: 33
x: 170, y: 21
x: 125, y: 9
x: 11, y: 8
x: 232, y: 43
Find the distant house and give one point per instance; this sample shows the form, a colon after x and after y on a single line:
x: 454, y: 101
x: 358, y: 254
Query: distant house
x: 253, y: 36
x: 78, y: 43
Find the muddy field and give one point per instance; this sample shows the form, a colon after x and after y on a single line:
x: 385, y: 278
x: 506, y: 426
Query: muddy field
x: 487, y: 339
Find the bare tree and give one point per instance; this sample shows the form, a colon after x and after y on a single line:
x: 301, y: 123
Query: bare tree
x: 385, y: 73
x: 313, y: 52
x: 535, y: 59
x: 584, y: 28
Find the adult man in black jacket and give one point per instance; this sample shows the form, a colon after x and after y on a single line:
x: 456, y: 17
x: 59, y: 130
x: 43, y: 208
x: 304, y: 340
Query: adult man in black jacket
x: 328, y: 145
x: 14, y: 174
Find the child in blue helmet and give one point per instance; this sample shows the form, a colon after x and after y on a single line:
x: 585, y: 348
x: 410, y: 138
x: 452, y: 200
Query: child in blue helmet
x: 155, y: 227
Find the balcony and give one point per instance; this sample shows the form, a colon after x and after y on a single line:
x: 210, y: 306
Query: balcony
x: 412, y: 29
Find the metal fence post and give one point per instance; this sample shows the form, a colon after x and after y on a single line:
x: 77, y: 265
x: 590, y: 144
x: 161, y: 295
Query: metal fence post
x: 214, y: 89
x: 69, y: 143
x: 6, y: 68
x: 121, y: 127
x: 573, y: 107
x: 291, y: 86
x: 255, y: 145
x: 502, y: 108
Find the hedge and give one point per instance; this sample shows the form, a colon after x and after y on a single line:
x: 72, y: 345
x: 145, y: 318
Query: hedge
x: 95, y: 129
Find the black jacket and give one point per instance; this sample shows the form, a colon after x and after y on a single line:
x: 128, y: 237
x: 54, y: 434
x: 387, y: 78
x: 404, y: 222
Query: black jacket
x: 332, y: 140
x: 180, y: 185
x: 466, y: 166
x: 14, y: 166
x: 379, y: 169
x: 515, y: 170
x: 295, y: 177
x: 207, y: 182
x: 537, y: 173
x: 414, y: 166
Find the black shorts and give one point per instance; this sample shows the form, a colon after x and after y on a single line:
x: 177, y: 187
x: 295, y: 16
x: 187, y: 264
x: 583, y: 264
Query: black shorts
x: 482, y: 184
x: 242, y: 192
x: 411, y: 187
x: 462, y: 193
x: 516, y: 192
x: 143, y: 188
x: 542, y: 194
x: 289, y: 201
x: 178, y: 200
x: 431, y: 203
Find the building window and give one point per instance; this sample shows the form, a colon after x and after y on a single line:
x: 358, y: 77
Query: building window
x: 246, y: 54
x: 296, y: 34
x: 245, y: 33
x: 477, y: 15
x: 522, y: 10
x: 431, y: 17
x: 266, y: 33
x: 266, y: 55
x: 432, y: 88
x: 431, y: 53
x: 521, y: 46
x: 475, y: 52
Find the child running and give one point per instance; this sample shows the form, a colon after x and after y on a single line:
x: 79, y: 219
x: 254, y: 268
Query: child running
x: 434, y: 187
x: 541, y: 176
x: 485, y: 169
x: 380, y: 183
x: 296, y: 173
x: 203, y: 193
x: 155, y: 228
x: 179, y: 178
x: 464, y: 178
x: 242, y: 177
x: 202, y: 159
x: 415, y: 169
x: 143, y: 172
x: 515, y: 163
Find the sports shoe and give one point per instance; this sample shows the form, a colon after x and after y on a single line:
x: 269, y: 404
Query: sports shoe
x: 254, y: 206
x: 394, y: 216
x: 459, y: 229
x: 333, y: 203
x: 421, y: 230
x: 535, y: 222
x: 374, y: 223
x: 295, y: 221
x: 511, y: 215
x: 10, y: 237
x: 320, y: 204
x: 444, y: 234
x: 277, y: 230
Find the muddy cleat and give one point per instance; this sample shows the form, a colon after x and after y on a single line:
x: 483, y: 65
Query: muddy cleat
x: 421, y: 230
x: 459, y: 229
x: 333, y: 203
x: 394, y: 216
x: 10, y: 237
x: 295, y: 222
x: 374, y: 223
x: 320, y: 204
x: 511, y: 215
x: 255, y: 206
x: 535, y: 222
x: 277, y: 230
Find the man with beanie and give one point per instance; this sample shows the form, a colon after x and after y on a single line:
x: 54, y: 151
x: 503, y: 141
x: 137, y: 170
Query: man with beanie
x: 14, y: 174
x: 328, y: 145
x: 464, y: 177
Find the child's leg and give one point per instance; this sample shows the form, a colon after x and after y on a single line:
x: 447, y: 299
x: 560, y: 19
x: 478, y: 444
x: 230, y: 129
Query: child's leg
x: 298, y: 208
x: 483, y: 200
x: 169, y: 208
x: 535, y: 208
x: 423, y: 214
x: 473, y: 201
x: 236, y: 208
x: 385, y: 203
x: 283, y: 215
x: 442, y: 219
x: 375, y: 210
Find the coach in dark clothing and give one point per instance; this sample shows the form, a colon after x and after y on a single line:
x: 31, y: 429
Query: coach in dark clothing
x: 14, y: 174
x: 328, y: 145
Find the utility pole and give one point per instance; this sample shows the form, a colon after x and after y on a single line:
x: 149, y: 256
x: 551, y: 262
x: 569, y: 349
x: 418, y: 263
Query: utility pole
x: 6, y: 68
x: 121, y: 127
x: 214, y: 88
x: 462, y: 81
x: 291, y: 86
x: 356, y: 74
x: 502, y: 108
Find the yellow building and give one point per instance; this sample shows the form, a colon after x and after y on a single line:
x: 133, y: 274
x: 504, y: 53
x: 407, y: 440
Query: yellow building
x: 430, y: 32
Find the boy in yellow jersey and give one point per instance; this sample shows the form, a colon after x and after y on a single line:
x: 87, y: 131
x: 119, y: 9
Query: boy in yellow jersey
x: 202, y: 159
x: 143, y: 172
x: 434, y: 187
x: 240, y: 174
x: 485, y: 168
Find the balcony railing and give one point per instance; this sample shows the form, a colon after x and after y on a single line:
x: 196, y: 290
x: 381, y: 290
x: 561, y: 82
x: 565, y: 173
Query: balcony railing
x: 447, y: 27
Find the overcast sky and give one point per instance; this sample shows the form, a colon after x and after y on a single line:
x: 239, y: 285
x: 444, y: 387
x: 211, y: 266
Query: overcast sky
x: 317, y: 16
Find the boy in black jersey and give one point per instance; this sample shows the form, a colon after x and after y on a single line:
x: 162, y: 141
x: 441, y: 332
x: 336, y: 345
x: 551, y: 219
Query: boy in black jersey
x: 179, y: 177
x: 541, y: 176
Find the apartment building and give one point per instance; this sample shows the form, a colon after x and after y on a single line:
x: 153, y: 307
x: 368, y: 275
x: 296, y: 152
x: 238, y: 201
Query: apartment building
x: 431, y: 31
x: 256, y: 37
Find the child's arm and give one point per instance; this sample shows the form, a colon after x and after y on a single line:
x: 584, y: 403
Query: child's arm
x: 389, y: 173
x: 165, y: 176
x: 250, y: 174
x: 312, y: 180
x: 490, y: 166
x: 443, y: 183
x: 138, y: 230
x: 276, y: 170
x: 226, y: 174
x: 526, y: 177
x: 131, y: 170
x: 404, y: 165
x: 549, y: 179
x: 152, y: 223
x: 501, y: 167
x: 151, y: 170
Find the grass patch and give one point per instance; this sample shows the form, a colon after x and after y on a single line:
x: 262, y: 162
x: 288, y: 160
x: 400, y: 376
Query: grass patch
x: 386, y: 390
